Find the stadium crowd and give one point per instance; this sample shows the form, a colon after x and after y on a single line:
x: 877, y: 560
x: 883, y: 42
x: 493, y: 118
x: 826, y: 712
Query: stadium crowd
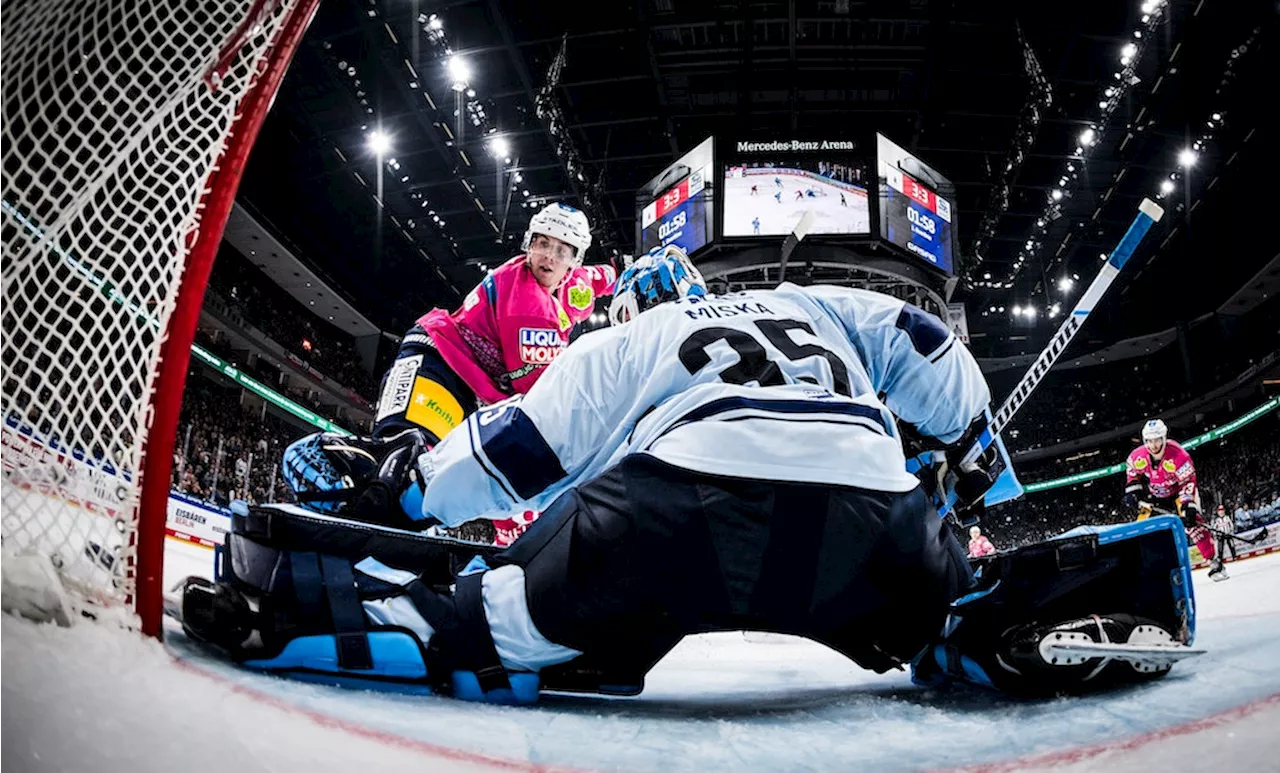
x: 261, y: 303
x: 1072, y: 403
x: 227, y: 450
x: 1241, y: 472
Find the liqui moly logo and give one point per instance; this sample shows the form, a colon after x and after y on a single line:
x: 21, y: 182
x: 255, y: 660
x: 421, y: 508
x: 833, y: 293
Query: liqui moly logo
x: 539, y: 346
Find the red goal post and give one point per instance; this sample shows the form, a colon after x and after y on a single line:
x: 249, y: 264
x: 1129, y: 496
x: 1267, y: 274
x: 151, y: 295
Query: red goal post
x: 127, y: 127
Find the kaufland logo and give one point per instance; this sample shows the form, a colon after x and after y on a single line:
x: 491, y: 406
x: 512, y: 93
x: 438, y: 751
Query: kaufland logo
x: 539, y: 346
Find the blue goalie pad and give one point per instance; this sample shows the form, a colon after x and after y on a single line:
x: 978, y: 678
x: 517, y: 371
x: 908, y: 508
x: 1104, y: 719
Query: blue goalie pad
x: 397, y: 661
x: 1122, y: 578
x: 1180, y: 577
x: 522, y: 692
x: 398, y: 665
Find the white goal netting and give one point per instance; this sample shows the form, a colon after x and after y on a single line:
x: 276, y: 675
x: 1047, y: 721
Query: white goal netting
x: 116, y: 115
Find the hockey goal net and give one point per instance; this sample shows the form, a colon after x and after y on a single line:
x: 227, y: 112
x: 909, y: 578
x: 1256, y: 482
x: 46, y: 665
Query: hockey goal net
x: 126, y: 127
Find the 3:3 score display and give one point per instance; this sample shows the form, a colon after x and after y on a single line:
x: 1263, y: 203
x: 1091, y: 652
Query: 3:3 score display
x: 917, y: 192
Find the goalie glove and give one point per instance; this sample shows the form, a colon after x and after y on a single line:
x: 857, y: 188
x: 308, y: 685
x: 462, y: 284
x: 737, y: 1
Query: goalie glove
x: 360, y: 478
x: 970, y: 480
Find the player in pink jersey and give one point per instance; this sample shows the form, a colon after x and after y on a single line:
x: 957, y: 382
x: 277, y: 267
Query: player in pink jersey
x: 508, y: 329
x: 979, y: 545
x: 1159, y: 473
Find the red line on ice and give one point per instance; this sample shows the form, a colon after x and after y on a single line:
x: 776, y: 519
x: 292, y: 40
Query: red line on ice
x: 391, y: 739
x: 1080, y: 753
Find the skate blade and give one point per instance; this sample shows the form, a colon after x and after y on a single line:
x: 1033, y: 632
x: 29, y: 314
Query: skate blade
x: 173, y: 607
x: 1144, y: 657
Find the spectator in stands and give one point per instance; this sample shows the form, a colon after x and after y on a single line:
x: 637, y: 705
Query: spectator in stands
x: 979, y: 545
x: 250, y: 298
x: 225, y: 451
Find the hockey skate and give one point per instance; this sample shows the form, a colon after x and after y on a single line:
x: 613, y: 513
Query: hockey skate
x: 1038, y: 623
x: 1099, y: 643
x: 1218, y: 572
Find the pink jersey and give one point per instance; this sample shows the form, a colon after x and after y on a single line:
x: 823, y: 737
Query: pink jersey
x: 1173, y: 476
x: 980, y: 546
x: 509, y: 328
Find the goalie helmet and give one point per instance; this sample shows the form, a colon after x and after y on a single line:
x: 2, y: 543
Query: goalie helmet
x: 1155, y: 430
x: 563, y: 222
x: 663, y: 274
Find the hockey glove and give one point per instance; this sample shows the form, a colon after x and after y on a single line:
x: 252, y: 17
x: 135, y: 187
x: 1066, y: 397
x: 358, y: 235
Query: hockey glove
x: 1132, y: 494
x: 357, y: 478
x: 971, y: 480
x: 1190, y: 515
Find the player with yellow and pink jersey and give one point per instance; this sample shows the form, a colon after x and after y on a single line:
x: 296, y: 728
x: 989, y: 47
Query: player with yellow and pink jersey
x: 508, y: 329
x: 450, y: 363
x: 1160, y: 473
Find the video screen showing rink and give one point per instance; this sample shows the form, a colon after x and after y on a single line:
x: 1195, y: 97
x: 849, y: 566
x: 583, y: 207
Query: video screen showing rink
x: 770, y: 200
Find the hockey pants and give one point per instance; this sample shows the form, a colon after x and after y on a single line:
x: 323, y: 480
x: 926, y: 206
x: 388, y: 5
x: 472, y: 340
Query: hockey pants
x: 420, y: 390
x: 626, y: 565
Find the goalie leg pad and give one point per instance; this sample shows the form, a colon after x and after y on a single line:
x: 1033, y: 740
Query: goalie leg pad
x: 1103, y: 583
x: 280, y: 607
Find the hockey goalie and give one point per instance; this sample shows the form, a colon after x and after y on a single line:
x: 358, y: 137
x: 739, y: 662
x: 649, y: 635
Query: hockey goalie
x: 706, y: 463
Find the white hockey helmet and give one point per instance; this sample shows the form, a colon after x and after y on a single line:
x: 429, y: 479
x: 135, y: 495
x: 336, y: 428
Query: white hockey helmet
x: 1155, y: 430
x: 563, y: 222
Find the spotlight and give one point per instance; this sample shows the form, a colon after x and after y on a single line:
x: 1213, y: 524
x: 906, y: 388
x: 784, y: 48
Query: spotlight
x: 499, y: 147
x: 1166, y: 186
x: 1187, y: 157
x: 379, y: 142
x: 460, y: 71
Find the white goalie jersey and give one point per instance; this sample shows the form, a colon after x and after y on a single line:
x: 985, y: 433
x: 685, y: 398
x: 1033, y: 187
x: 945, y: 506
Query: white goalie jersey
x: 799, y: 384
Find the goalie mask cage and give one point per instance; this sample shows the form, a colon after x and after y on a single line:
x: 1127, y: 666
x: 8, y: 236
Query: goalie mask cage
x: 127, y: 124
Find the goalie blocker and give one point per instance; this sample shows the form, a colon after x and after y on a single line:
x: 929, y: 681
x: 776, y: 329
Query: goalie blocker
x: 1078, y: 613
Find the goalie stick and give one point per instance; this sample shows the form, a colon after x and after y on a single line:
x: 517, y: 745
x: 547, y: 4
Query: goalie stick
x: 1149, y: 213
x: 793, y: 240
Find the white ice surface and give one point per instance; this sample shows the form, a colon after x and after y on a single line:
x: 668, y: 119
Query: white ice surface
x: 91, y: 698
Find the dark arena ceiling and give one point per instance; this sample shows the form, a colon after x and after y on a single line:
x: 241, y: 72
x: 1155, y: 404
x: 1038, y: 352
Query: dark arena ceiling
x: 997, y: 96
